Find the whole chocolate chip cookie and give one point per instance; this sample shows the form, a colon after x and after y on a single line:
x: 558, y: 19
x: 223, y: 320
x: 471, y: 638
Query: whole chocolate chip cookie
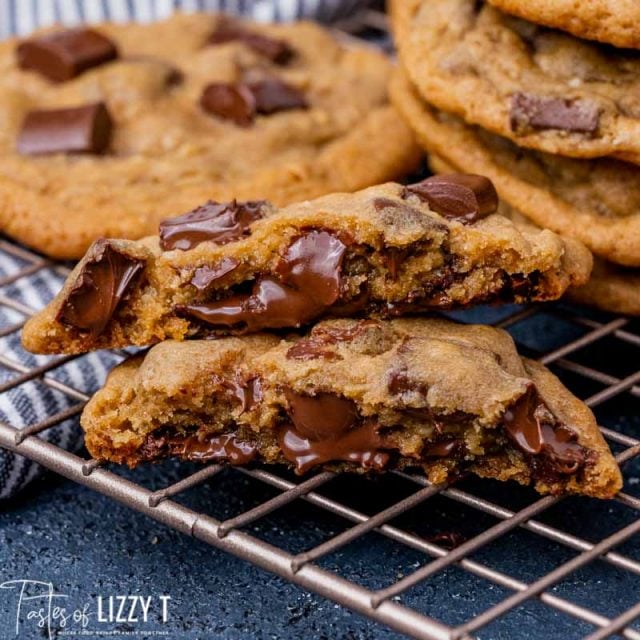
x: 594, y: 200
x: 106, y: 131
x: 611, y: 21
x: 356, y: 395
x: 544, y: 89
x: 241, y: 267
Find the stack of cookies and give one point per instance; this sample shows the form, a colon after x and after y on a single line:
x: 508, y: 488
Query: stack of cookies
x: 544, y: 98
x: 278, y: 333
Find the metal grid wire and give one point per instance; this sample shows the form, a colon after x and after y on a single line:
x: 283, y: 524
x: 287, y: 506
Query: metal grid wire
x: 383, y: 605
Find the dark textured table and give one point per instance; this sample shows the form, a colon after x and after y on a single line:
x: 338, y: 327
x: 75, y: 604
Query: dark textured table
x: 89, y: 546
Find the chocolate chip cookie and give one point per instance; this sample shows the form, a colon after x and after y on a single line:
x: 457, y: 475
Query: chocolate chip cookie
x: 543, y: 89
x: 611, y: 288
x: 356, y: 395
x: 611, y: 21
x: 241, y: 267
x: 596, y: 201
x: 106, y: 131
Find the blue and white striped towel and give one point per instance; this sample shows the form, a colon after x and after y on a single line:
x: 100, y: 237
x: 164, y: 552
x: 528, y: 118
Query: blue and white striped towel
x: 34, y: 401
x: 23, y: 16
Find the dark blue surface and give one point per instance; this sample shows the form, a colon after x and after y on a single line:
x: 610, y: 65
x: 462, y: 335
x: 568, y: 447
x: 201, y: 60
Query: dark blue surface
x: 87, y: 545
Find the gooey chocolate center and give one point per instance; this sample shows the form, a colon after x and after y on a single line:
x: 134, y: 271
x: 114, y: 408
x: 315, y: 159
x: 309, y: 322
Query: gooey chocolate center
x: 308, y: 280
x: 327, y: 428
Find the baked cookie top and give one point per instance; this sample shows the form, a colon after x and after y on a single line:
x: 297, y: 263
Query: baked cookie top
x: 243, y: 267
x: 356, y: 395
x: 107, y: 131
x: 543, y: 89
x: 611, y: 21
x: 594, y: 200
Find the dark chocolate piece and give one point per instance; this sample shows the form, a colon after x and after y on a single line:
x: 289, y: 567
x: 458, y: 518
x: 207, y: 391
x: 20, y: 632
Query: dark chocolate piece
x: 310, y: 349
x: 212, y: 222
x: 241, y: 102
x: 63, y: 55
x: 543, y: 112
x: 322, y: 416
x: 100, y: 286
x: 230, y: 101
x: 205, y: 276
x: 272, y: 95
x: 457, y: 196
x: 360, y: 445
x: 225, y: 448
x: 533, y: 430
x: 248, y: 392
x: 85, y: 129
x: 310, y: 282
x: 445, y: 449
x: 228, y: 30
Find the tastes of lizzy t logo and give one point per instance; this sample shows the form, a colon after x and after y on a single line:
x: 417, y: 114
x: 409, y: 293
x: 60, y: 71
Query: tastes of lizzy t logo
x: 39, y: 606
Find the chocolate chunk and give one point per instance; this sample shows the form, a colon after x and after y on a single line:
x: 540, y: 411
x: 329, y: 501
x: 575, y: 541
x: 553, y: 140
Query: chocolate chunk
x: 313, y: 264
x: 322, y: 416
x: 226, y: 447
x: 393, y: 258
x: 310, y: 281
x: 230, y: 101
x: 85, y: 129
x: 361, y: 445
x: 445, y: 449
x: 63, y: 55
x: 276, y: 50
x: 104, y: 279
x: 310, y: 349
x: 271, y: 305
x: 241, y: 102
x: 457, y: 196
x: 531, y: 427
x: 542, y: 112
x: 248, y: 392
x: 272, y: 95
x: 212, y: 222
x: 205, y: 276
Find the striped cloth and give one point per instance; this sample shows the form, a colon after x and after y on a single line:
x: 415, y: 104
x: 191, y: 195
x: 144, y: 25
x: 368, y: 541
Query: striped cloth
x: 35, y: 401
x: 23, y: 16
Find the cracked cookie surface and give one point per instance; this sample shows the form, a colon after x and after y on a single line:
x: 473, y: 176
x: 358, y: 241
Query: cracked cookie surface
x: 544, y: 89
x: 356, y: 396
x: 594, y: 200
x: 243, y: 267
x: 317, y: 120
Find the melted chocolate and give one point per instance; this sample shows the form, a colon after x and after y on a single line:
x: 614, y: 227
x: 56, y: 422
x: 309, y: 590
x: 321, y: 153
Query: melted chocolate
x: 360, y: 445
x: 63, y: 55
x: 445, y: 449
x: 226, y: 447
x: 310, y: 281
x: 466, y: 198
x: 310, y: 349
x: 527, y: 424
x: 219, y: 222
x: 105, y: 277
x: 322, y: 416
x: 248, y: 392
x: 228, y: 30
x: 85, y: 129
x: 543, y: 112
x: 205, y: 276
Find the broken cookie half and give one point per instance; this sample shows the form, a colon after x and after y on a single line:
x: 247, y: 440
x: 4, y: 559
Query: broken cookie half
x: 355, y: 395
x: 242, y: 267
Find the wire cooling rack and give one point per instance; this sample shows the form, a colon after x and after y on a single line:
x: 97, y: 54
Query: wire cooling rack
x: 596, y: 355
